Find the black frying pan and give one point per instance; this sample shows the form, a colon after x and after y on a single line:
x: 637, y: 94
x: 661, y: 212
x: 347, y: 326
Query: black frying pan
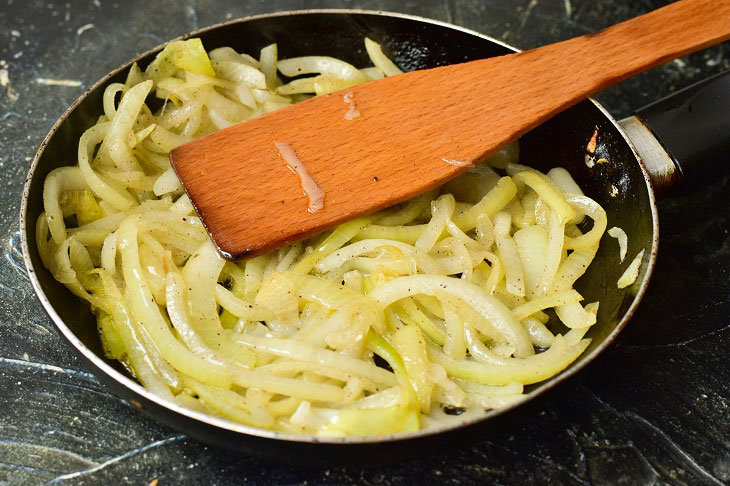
x: 623, y: 186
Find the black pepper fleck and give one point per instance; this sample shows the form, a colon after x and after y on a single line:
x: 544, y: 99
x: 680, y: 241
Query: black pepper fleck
x: 454, y: 410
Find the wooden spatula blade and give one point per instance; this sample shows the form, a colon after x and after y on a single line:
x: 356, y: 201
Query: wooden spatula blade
x: 251, y: 201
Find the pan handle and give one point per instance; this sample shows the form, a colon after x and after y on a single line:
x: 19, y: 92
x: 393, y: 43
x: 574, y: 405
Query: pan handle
x: 685, y: 137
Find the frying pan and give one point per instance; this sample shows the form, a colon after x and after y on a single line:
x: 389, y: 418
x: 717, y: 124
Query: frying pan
x: 624, y: 185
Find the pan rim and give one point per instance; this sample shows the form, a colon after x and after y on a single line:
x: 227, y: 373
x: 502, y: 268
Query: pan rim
x: 100, y: 364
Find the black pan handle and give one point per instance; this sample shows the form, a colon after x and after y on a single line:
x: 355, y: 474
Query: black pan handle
x: 693, y: 126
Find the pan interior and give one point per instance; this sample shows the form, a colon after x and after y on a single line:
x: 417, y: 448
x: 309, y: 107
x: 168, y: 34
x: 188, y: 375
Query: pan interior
x: 617, y: 184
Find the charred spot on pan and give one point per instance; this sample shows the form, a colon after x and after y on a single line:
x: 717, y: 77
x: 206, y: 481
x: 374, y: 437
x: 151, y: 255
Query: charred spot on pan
x: 453, y: 410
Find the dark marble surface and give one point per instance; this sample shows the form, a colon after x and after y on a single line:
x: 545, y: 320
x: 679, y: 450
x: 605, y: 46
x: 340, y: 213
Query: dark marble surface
x: 654, y: 409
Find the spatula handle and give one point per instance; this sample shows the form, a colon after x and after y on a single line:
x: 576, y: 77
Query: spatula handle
x: 619, y: 52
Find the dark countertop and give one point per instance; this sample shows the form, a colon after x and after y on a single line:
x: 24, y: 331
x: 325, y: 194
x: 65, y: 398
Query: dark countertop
x: 655, y: 408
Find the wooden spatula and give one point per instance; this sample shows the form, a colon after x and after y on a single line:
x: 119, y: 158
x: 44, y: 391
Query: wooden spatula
x: 415, y: 131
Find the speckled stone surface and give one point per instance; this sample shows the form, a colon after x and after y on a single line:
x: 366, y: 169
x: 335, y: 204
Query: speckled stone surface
x: 654, y: 409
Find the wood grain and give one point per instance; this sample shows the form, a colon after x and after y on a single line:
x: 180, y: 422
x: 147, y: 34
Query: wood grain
x: 251, y: 202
